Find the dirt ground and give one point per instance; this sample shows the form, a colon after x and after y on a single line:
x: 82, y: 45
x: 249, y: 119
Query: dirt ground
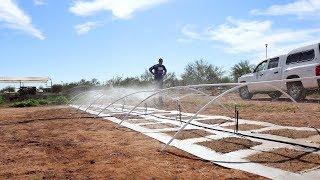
x: 229, y: 144
x: 295, y: 134
x: 55, y: 143
x: 189, y: 134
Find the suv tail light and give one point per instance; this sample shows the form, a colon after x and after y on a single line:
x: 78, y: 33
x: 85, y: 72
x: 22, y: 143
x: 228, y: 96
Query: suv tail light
x: 318, y: 70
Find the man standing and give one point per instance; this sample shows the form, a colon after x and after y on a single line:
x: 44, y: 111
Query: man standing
x: 158, y: 71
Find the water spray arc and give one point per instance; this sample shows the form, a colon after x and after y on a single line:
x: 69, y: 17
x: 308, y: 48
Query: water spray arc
x: 215, y: 99
x: 206, y: 116
x: 175, y: 88
x: 96, y: 93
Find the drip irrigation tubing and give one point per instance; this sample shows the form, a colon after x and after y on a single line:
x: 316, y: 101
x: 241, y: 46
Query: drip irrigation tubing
x: 231, y: 132
x: 245, y: 135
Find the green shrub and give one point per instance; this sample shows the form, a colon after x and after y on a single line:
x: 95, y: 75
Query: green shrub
x: 55, y: 100
x: 43, y: 102
x: 1, y: 99
x: 26, y: 103
x: 59, y: 100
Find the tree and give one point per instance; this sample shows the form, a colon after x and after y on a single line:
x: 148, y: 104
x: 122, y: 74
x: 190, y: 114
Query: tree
x: 128, y: 81
x: 146, y: 77
x: 243, y: 67
x: 94, y: 82
x: 226, y: 79
x: 56, y: 88
x: 200, y: 72
x: 115, y: 81
x: 170, y: 80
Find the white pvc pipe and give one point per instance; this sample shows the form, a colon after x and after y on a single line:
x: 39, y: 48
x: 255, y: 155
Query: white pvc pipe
x: 96, y: 92
x: 214, y: 99
x: 94, y: 102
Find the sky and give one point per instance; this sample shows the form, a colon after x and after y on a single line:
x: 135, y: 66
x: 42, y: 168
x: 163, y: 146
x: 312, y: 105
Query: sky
x: 68, y: 40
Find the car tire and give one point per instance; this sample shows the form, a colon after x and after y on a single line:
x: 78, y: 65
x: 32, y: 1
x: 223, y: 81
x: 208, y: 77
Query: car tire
x: 275, y: 95
x: 296, y: 91
x: 245, y: 93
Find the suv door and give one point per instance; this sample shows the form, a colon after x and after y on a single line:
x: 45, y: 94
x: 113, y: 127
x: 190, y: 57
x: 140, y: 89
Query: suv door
x: 258, y: 75
x: 273, y: 72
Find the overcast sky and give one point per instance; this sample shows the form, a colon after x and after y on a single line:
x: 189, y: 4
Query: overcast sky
x: 73, y: 39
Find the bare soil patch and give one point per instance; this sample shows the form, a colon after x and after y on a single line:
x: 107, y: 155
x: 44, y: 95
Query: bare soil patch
x: 189, y: 134
x: 160, y: 126
x: 229, y: 144
x: 245, y: 127
x: 213, y: 121
x: 53, y: 143
x: 290, y: 133
x: 287, y: 159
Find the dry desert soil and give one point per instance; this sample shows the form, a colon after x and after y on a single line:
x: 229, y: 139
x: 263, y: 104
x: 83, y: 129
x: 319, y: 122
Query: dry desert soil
x: 60, y: 143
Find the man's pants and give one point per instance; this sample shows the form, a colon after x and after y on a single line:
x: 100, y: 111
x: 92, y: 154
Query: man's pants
x: 159, y: 86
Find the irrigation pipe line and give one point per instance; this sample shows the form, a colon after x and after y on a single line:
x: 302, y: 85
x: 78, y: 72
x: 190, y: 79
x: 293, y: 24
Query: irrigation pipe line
x: 231, y: 132
x: 256, y: 137
x: 238, y: 133
x: 220, y: 84
x: 213, y: 100
x: 240, y: 85
x: 177, y: 87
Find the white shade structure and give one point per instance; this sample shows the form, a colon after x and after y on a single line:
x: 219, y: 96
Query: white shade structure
x: 24, y: 79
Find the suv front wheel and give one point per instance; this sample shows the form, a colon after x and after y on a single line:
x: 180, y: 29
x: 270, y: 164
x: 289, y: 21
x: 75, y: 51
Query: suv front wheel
x: 245, y: 93
x: 296, y: 90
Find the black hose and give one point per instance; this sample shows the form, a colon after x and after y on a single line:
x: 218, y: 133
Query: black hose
x: 245, y: 135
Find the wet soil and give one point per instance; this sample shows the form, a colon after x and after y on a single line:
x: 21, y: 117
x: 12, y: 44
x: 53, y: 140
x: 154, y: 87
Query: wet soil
x: 287, y: 159
x: 189, y: 134
x: 229, y: 144
x: 290, y: 133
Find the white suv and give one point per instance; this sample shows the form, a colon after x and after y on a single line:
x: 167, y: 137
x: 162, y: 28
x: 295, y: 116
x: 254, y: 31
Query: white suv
x: 302, y: 63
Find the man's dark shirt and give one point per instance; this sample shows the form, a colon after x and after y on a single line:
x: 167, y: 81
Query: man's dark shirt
x: 159, y: 71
